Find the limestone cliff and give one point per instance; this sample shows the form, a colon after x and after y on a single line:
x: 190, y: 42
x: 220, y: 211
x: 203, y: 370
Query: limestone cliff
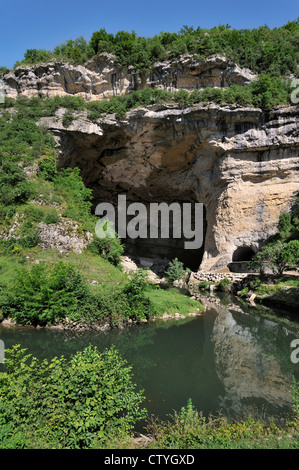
x: 103, y: 77
x: 241, y: 163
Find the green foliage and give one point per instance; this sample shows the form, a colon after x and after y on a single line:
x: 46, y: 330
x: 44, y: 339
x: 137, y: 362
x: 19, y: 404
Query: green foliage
x: 269, y: 257
x: 290, y: 253
x: 3, y: 71
x: 34, y: 56
x: 76, y: 51
x: 139, y: 306
x: 47, y: 168
x: 176, y: 271
x: 78, y: 403
x: 69, y: 185
x: 243, y: 292
x: 281, y: 251
x: 14, y: 186
x: 68, y: 118
x: 295, y: 397
x: 51, y: 218
x: 21, y: 139
x: 172, y: 301
x: 285, y: 227
x: 263, y: 50
x: 48, y: 294
x: 224, y: 284
x: 188, y: 429
x: 109, y: 248
x: 268, y: 92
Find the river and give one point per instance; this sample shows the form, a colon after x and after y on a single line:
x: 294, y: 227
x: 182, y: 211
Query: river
x: 229, y: 360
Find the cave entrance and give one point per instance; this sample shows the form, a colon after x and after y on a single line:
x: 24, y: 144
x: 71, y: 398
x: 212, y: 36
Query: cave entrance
x: 243, y: 253
x: 169, y: 248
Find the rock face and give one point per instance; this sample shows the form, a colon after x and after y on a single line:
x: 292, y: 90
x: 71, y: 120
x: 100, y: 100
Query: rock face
x: 240, y: 163
x: 102, y: 77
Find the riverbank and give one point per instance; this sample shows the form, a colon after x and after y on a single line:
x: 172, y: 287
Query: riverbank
x: 270, y: 291
x: 105, y: 325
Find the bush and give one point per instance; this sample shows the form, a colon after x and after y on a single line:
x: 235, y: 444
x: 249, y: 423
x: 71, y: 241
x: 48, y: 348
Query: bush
x: 47, y: 168
x: 68, y: 118
x: 106, y: 243
x: 277, y: 257
x: 176, y: 271
x: 69, y: 185
x: 110, y: 249
x: 138, y: 305
x: 83, y: 402
x: 51, y: 218
x: 224, y: 285
x: 48, y: 294
x: 290, y: 253
x: 14, y: 186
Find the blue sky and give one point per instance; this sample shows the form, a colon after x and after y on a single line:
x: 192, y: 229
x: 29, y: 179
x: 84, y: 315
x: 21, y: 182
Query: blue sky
x: 33, y: 24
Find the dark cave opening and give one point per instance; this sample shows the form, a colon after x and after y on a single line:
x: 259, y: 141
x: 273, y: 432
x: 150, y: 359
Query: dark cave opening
x: 171, y: 247
x: 243, y: 253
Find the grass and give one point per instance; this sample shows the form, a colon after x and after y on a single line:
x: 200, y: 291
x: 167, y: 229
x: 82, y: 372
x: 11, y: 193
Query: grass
x: 188, y: 429
x: 173, y: 301
x: 101, y: 276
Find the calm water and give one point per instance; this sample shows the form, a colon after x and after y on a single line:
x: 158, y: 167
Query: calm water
x: 227, y: 360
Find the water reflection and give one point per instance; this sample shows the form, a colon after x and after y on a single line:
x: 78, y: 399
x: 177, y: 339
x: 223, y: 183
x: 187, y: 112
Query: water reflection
x: 252, y: 359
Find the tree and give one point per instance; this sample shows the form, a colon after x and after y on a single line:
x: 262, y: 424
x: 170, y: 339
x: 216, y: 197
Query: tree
x: 285, y: 226
x: 276, y: 256
x: 290, y: 253
x: 176, y: 271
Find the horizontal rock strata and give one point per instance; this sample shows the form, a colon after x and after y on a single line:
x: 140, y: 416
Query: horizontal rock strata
x: 240, y: 163
x: 103, y: 77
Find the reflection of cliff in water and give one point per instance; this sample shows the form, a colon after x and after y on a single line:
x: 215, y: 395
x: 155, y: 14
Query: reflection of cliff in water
x: 252, y: 363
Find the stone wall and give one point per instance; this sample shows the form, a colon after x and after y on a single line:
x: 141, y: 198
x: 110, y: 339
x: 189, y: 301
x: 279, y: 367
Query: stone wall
x: 198, y: 277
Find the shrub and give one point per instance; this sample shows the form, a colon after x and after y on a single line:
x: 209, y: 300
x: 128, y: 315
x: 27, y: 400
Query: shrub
x: 47, y: 167
x: 68, y: 118
x: 69, y: 185
x: 138, y: 305
x: 14, y: 186
x: 51, y: 218
x: 110, y: 249
x: 106, y: 242
x: 48, y: 294
x: 77, y: 403
x: 290, y: 253
x: 176, y: 271
x: 276, y: 256
x: 224, y: 284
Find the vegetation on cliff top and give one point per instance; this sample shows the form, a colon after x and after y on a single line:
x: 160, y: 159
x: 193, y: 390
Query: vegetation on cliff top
x: 263, y: 50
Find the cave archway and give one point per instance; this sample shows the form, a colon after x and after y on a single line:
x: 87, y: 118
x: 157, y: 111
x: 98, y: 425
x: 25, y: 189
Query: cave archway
x: 169, y: 248
x: 243, y: 253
